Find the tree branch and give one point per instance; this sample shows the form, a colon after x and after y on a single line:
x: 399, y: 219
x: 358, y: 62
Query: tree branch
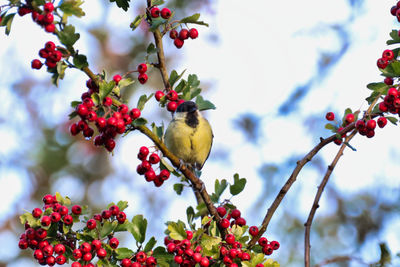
x: 315, y: 205
x: 341, y: 259
x: 292, y: 179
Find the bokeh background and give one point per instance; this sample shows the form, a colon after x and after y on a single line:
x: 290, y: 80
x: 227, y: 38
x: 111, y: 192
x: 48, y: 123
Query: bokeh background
x: 272, y: 68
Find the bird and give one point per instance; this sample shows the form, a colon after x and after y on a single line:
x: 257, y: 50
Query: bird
x: 189, y: 135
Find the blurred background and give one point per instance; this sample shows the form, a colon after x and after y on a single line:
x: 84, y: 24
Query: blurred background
x: 272, y: 68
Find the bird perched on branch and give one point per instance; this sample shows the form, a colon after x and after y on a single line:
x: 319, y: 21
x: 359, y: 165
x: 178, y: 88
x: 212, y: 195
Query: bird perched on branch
x: 189, y: 135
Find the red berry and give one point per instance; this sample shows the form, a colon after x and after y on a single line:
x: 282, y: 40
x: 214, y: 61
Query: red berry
x: 67, y: 219
x: 51, y: 260
x: 360, y: 124
x: 135, y: 113
x: 117, y: 78
x: 193, y: 33
x: 267, y: 249
x: 50, y: 28
x: 150, y: 175
x: 59, y: 249
x: 48, y: 7
x: 49, y: 46
x: 38, y: 254
x: 114, y: 242
x: 48, y: 18
x: 45, y: 221
x: 101, y: 253
x: 23, y: 244
x: 36, y: 64
x: 87, y: 256
x: 189, y: 235
x: 109, y: 144
x: 172, y: 95
x: 96, y: 244
x: 48, y: 250
x: 224, y: 223
x: 121, y: 217
x: 126, y: 262
x: 165, y: 13
x: 48, y: 199
x: 154, y: 158
x: 253, y: 230
x: 76, y: 209
x: 114, y: 210
x: 178, y: 259
x: 235, y: 213
x: 262, y: 241
x: 91, y: 224
x: 183, y: 34
x: 155, y: 12
x: 141, y: 257
x: 240, y: 221
x: 173, y: 34
x: 382, y: 63
x: 392, y: 92
x: 330, y: 116
x: 171, y: 247
x: 85, y: 247
x: 82, y: 110
x: 383, y: 107
x: 164, y: 174
x: 371, y: 124
x: 205, y: 262
x: 77, y: 254
x: 230, y: 239
x: 172, y: 106
x: 349, y: 118
x: 61, y: 259
x: 382, y: 122
x: 221, y: 211
x: 393, y: 10
x: 55, y: 217
x: 143, y: 152
x: 106, y: 214
x: 36, y: 212
x: 142, y: 68
x: 245, y: 257
x: 158, y: 95
x: 142, y: 78
x: 178, y: 43
x: 388, y: 54
x: 107, y: 101
x: 388, y: 80
x: 275, y: 245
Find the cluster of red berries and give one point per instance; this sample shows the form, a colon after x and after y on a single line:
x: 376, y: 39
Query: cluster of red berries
x: 147, y: 170
x: 184, y: 34
x: 186, y: 253
x: 139, y: 259
x: 43, y: 17
x: 232, y: 248
x: 172, y: 97
x: 109, y: 125
x: 51, y: 55
x: 395, y: 11
x: 111, y: 214
x: 387, y: 57
x: 155, y: 12
x: 142, y: 68
x: 35, y: 237
x: 87, y: 251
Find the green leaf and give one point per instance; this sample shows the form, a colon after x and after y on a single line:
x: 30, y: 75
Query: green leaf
x: 139, y: 121
x: 75, y: 103
x: 157, y: 2
x: 378, y: 87
x: 174, y: 77
x: 204, y: 104
x: 105, y: 89
x: 122, y: 205
x: 80, y: 61
x: 151, y: 49
x: 123, y: 253
x: 122, y: 227
x: 28, y: 218
x: 392, y: 120
x: 220, y: 187
x: 177, y: 230
x: 68, y: 37
x: 372, y: 97
x: 150, y: 244
x: 182, y: 84
x: 143, y: 100
x: 164, y: 165
x: 392, y: 70
x: 238, y: 185
x: 58, y: 72
x: 63, y: 201
x: 347, y: 111
x: 136, y: 22
x: 210, y: 243
x: 124, y: 4
x: 330, y: 126
x: 7, y: 21
x: 395, y: 38
x: 155, y: 23
x: 193, y: 19
x: 138, y: 229
x: 72, y: 8
x: 178, y: 188
x: 125, y: 82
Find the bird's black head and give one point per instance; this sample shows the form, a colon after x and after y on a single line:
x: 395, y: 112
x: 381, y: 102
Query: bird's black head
x: 187, y: 106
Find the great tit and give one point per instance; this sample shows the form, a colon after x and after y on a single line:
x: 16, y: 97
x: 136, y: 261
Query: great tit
x: 189, y: 135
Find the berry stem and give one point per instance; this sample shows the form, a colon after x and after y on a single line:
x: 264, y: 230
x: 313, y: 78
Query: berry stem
x: 320, y: 190
x: 160, y: 53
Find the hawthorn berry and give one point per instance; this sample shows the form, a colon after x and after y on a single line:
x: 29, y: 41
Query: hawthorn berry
x: 164, y: 174
x: 262, y: 241
x: 388, y: 80
x: 114, y: 209
x: 48, y: 7
x: 382, y: 121
x: 87, y: 256
x: 155, y: 12
x: 173, y: 34
x: 330, y: 116
x: 267, y: 249
x: 158, y: 95
x: 134, y: 113
x: 77, y: 253
x: 253, y: 230
x: 41, y: 233
x: 45, y: 221
x: 172, y: 95
x: 178, y: 43
x: 107, y: 101
x: 121, y: 217
x: 240, y: 221
x: 67, y: 219
x: 101, y: 253
x: 382, y: 63
x: 275, y: 245
x: 172, y: 106
x: 91, y: 224
x: 38, y: 254
x: 61, y: 259
x: 224, y: 223
x: 36, y: 212
x: 59, y: 249
x: 76, y: 264
x: 165, y: 13
x: 142, y: 68
x: 50, y: 260
x: 50, y: 28
x: 117, y: 78
x: 235, y: 213
x: 193, y: 33
x: 370, y: 133
x: 36, y: 64
x: 388, y: 54
x: 142, y: 78
x: 76, y: 209
x: 23, y: 244
x: 183, y: 34
x: 371, y: 124
x: 113, y: 242
x: 154, y: 158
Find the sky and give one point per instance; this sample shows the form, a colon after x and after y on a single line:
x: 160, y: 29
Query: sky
x: 260, y: 52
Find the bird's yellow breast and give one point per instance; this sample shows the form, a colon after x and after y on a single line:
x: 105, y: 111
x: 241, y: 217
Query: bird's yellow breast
x: 190, y: 144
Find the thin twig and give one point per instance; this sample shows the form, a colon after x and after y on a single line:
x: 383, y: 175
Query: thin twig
x: 341, y: 259
x: 291, y: 180
x: 315, y: 205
